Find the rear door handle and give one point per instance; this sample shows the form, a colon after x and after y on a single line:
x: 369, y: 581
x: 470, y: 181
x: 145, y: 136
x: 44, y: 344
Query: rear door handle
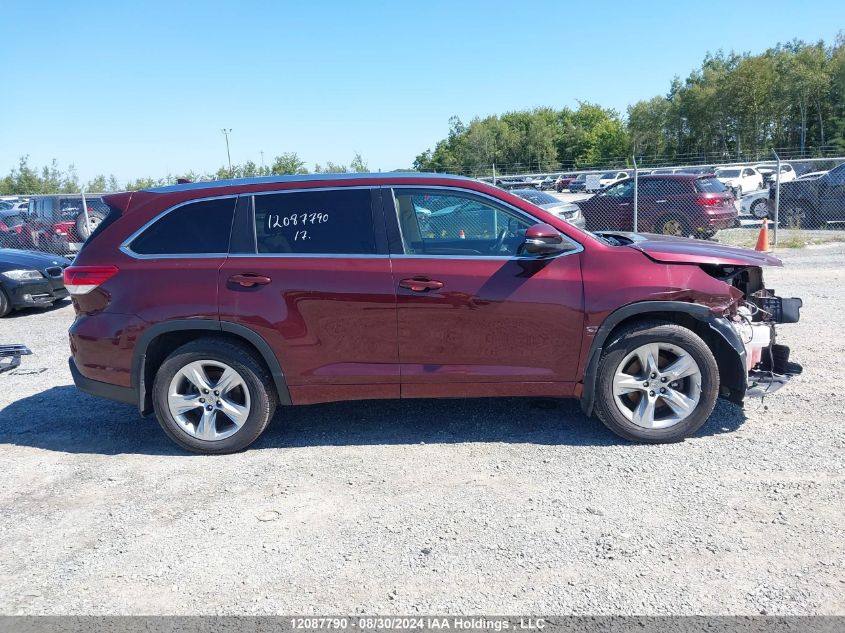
x: 661, y: 201
x: 248, y: 280
x: 421, y: 284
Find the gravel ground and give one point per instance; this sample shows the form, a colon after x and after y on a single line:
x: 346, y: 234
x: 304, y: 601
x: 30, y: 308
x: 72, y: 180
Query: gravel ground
x: 496, y: 506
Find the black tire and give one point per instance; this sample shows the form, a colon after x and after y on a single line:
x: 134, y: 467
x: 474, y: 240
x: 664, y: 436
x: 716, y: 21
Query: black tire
x: 94, y: 219
x: 5, y: 304
x: 673, y: 225
x: 632, y: 337
x: 257, y: 379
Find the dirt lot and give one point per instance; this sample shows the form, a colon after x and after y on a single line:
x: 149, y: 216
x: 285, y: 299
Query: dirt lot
x: 496, y: 506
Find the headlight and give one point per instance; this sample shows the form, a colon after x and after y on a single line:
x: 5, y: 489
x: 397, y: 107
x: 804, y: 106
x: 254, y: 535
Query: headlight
x: 22, y: 275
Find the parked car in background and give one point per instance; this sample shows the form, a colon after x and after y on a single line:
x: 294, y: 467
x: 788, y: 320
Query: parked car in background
x: 755, y: 204
x: 213, y: 303
x: 740, y: 180
x: 708, y: 169
x: 568, y: 211
x: 674, y: 204
x: 812, y: 202
x: 20, y: 206
x: 812, y: 174
x: 610, y: 177
x: 56, y: 224
x: 563, y: 181
x: 767, y: 170
x: 662, y: 171
x: 579, y: 183
x: 545, y: 183
x: 515, y: 182
x: 10, y: 220
x: 30, y: 280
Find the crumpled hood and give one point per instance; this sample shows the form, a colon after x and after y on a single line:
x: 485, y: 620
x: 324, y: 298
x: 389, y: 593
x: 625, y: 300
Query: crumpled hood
x: 682, y: 250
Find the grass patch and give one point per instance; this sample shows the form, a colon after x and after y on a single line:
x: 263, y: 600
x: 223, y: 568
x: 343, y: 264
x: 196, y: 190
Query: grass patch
x: 787, y: 238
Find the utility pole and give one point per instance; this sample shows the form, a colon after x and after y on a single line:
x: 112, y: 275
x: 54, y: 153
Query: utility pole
x: 226, y: 132
x: 262, y: 160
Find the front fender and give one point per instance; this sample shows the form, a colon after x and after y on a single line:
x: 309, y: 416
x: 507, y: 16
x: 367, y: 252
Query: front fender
x: 720, y: 336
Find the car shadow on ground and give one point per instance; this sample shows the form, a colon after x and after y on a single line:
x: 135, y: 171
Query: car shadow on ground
x: 25, y: 312
x: 65, y: 420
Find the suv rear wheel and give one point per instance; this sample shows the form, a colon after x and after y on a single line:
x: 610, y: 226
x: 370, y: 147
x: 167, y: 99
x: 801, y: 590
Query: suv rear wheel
x: 213, y: 396
x: 657, y: 382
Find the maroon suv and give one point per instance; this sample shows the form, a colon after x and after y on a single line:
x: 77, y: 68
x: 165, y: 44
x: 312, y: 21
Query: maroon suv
x: 672, y: 204
x: 212, y: 303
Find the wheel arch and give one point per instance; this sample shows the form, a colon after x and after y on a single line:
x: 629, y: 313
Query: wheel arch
x: 715, y: 331
x: 157, y: 341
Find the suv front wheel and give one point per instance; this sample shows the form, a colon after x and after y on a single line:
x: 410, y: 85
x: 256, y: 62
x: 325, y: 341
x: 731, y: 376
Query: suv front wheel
x: 213, y: 396
x: 657, y: 382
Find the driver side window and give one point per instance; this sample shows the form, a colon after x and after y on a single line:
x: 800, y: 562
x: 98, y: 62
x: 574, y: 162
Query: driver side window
x: 621, y: 190
x: 448, y: 223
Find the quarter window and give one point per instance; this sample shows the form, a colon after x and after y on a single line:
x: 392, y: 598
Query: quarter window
x: 445, y: 223
x: 197, y: 228
x: 335, y: 222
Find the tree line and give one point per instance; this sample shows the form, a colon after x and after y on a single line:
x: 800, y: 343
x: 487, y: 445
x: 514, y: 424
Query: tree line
x: 27, y: 180
x: 791, y: 98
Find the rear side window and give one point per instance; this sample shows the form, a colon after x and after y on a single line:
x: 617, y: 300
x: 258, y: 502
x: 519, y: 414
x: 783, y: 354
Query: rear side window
x: 336, y: 222
x: 197, y: 228
x: 709, y: 185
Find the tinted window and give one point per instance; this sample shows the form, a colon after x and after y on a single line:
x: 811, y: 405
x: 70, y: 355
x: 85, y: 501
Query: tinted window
x: 709, y: 185
x: 446, y: 223
x: 338, y: 222
x: 622, y: 190
x: 195, y: 228
x: 728, y: 173
x: 837, y: 176
x: 69, y: 208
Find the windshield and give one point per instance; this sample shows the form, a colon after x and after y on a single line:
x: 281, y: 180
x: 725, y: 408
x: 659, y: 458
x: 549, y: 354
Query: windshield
x: 609, y: 175
x: 728, y: 173
x: 537, y: 197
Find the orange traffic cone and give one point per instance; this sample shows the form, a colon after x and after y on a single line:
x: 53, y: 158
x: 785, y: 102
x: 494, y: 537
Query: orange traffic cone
x: 763, y: 238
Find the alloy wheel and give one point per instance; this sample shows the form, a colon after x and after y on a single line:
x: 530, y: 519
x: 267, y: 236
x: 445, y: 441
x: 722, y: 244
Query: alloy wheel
x: 209, y: 400
x: 657, y: 385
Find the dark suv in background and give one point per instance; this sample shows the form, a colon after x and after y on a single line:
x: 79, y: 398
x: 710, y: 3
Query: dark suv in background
x: 812, y: 202
x: 213, y: 303
x: 677, y: 204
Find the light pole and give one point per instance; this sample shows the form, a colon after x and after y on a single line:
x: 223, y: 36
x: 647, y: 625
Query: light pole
x: 226, y: 132
x: 262, y: 160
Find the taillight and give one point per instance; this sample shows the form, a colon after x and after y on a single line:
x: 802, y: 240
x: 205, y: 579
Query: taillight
x: 3, y: 227
x: 80, y: 280
x: 710, y: 202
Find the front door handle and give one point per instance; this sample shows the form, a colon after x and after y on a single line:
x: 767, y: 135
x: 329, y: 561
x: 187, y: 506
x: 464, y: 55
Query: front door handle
x: 421, y: 284
x: 661, y: 201
x: 249, y: 280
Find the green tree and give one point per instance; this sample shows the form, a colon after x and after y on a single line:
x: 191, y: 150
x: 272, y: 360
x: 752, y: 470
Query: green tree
x: 288, y: 163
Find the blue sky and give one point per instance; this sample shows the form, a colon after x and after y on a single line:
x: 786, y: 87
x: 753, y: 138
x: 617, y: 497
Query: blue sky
x: 143, y: 88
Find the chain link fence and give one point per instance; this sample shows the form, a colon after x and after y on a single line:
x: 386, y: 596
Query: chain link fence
x: 701, y: 200
x: 57, y: 224
x: 798, y: 195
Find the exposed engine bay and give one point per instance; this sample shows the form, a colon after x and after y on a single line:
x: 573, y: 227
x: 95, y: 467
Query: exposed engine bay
x: 754, y: 319
x: 752, y: 310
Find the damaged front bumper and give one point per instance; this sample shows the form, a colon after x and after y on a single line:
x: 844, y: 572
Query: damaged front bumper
x: 767, y: 363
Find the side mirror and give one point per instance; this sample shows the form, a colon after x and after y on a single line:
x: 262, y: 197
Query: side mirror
x: 544, y: 239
